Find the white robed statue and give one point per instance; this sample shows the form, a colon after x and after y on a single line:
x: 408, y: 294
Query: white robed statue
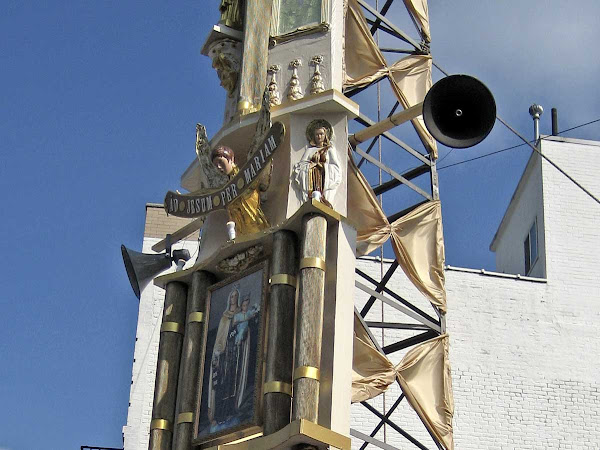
x: 319, y: 170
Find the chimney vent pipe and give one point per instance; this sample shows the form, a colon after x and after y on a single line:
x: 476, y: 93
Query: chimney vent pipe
x: 554, y: 122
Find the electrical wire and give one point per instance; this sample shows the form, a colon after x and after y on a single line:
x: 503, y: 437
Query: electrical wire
x: 508, y: 148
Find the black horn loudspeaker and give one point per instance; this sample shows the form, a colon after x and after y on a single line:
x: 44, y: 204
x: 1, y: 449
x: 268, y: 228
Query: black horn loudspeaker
x: 459, y: 111
x: 143, y: 267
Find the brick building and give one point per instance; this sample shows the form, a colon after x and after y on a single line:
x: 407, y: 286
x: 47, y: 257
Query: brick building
x: 524, y: 339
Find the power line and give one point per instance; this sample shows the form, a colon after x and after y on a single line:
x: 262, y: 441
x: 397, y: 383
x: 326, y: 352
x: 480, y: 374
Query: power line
x: 510, y: 148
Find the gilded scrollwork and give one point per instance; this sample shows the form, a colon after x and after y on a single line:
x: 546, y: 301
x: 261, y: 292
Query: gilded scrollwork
x: 295, y: 90
x: 316, y: 82
x: 273, y: 88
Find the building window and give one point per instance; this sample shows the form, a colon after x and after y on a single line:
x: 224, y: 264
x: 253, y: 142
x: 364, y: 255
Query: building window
x: 531, y: 248
x: 296, y: 17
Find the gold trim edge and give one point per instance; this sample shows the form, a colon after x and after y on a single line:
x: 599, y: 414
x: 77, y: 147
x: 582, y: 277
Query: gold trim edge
x: 307, y: 372
x: 161, y: 424
x: 171, y: 327
x: 185, y: 417
x: 197, y: 316
x: 277, y: 387
x: 283, y: 278
x: 312, y: 262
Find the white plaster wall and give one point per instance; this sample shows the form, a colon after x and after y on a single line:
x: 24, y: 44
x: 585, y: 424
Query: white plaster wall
x: 525, y: 207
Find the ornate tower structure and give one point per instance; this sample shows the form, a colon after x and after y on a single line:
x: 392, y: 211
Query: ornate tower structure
x: 260, y: 336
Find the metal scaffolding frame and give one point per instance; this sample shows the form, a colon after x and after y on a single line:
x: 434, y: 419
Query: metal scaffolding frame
x: 427, y: 327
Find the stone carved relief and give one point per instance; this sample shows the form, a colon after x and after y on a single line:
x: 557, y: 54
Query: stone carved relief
x: 273, y: 88
x: 295, y: 91
x: 316, y: 82
x: 226, y: 56
x: 241, y: 261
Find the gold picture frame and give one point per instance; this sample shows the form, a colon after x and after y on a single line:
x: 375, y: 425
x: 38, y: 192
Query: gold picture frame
x: 229, y: 402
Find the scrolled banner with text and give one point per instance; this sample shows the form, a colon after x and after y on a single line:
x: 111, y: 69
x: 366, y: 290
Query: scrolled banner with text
x: 200, y: 204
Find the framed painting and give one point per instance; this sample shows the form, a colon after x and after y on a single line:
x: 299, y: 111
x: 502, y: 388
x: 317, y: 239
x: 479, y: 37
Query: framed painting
x: 231, y: 361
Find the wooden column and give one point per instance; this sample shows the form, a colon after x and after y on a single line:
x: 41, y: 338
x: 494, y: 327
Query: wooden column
x: 279, y: 362
x: 309, y: 319
x: 167, y: 368
x: 190, y: 360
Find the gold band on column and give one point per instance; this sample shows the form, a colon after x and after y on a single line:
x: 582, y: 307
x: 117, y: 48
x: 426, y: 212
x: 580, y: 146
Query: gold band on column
x: 283, y: 278
x: 277, y: 386
x: 161, y: 424
x: 185, y: 417
x: 307, y: 372
x: 197, y: 316
x: 172, y: 327
x: 316, y: 262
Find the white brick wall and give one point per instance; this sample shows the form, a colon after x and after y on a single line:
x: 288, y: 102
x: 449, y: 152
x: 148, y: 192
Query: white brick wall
x: 136, y: 433
x: 524, y: 354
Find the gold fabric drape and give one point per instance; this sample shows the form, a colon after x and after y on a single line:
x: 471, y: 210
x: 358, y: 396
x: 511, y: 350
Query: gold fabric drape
x: 425, y: 378
x: 423, y: 374
x: 410, y: 77
x: 372, y: 372
x: 417, y: 237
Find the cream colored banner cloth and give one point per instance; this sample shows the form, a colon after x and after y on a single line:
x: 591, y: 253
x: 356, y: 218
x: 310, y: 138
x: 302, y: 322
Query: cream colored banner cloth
x: 423, y: 374
x: 417, y: 237
x: 410, y: 77
x: 372, y: 372
x: 425, y: 378
x: 420, y: 11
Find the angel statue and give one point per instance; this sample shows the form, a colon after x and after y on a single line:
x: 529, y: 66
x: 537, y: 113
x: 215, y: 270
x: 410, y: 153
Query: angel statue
x: 245, y: 211
x: 218, y: 167
x: 319, y: 170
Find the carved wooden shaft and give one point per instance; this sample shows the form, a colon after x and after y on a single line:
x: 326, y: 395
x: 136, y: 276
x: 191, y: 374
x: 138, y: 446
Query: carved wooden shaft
x: 279, y: 362
x: 167, y: 368
x: 309, y: 319
x: 190, y: 360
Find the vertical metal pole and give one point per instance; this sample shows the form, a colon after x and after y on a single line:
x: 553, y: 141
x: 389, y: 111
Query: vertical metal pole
x: 167, y: 368
x: 309, y: 320
x: 187, y: 388
x: 279, y: 362
x: 554, y: 122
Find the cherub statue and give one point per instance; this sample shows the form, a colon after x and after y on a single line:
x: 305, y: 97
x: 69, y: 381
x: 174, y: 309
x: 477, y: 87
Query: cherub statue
x: 319, y: 170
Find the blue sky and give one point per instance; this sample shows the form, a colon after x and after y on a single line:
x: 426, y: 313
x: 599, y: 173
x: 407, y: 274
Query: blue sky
x: 99, y: 102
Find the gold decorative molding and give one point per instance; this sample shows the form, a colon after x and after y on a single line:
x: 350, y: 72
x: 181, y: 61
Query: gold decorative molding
x: 314, y: 262
x: 299, y: 432
x: 307, y: 372
x: 185, y: 417
x: 161, y: 424
x: 171, y: 327
x: 283, y: 278
x: 197, y: 316
x: 277, y: 386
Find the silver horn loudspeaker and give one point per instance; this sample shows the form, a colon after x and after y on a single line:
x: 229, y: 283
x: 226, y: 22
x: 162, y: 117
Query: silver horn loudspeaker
x: 143, y: 267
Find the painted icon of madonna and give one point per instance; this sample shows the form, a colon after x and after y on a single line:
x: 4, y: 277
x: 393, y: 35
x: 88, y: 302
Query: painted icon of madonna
x: 231, y: 364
